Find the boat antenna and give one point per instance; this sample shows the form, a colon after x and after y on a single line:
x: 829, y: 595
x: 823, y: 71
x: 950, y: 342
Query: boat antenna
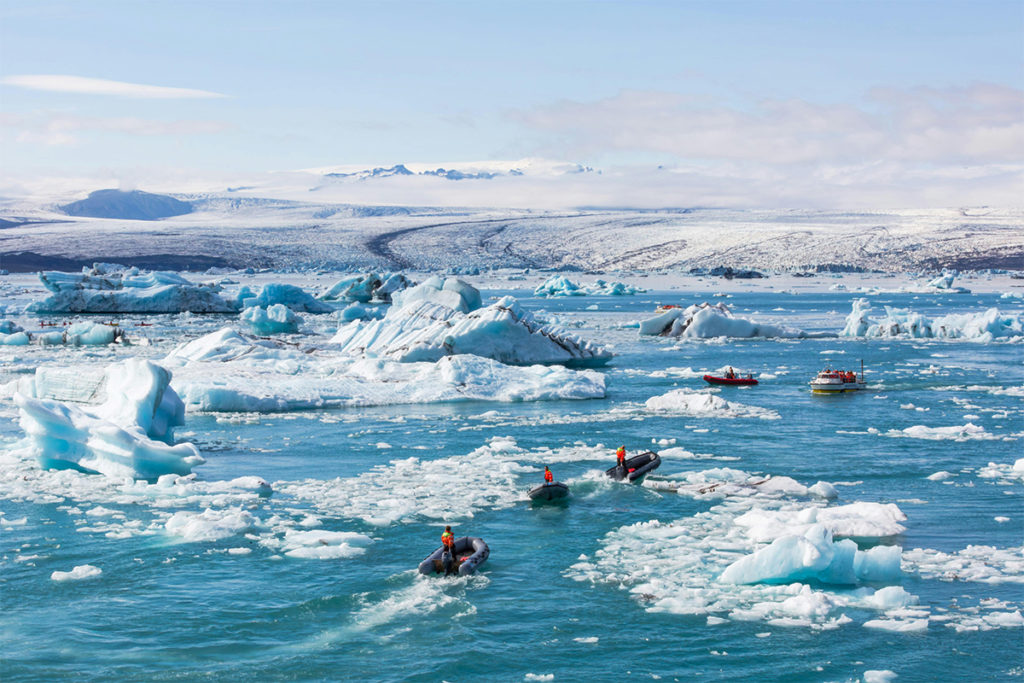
x: 862, y: 371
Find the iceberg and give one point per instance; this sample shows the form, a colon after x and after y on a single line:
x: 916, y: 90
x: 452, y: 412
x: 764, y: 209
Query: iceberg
x: 451, y: 292
x: 704, y: 320
x: 814, y: 556
x: 427, y: 323
x: 559, y: 285
x: 295, y: 298
x: 274, y: 319
x: 900, y: 322
x: 129, y: 434
x: 366, y: 288
x: 226, y: 372
x: 127, y: 291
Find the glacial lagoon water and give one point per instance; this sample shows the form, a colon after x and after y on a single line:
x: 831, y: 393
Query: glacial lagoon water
x: 572, y: 592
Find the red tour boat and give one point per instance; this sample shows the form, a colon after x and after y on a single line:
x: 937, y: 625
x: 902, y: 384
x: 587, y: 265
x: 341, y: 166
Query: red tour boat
x: 732, y: 378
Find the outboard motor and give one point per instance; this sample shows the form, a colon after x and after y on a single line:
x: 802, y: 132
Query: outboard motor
x: 448, y: 562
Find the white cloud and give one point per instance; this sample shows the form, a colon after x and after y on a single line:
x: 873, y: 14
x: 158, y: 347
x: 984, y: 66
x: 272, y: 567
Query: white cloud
x: 62, y: 129
x: 978, y: 124
x: 99, y: 86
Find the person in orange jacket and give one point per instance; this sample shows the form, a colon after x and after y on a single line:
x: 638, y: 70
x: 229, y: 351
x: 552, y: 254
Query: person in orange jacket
x: 448, y: 555
x: 548, y: 477
x: 620, y: 456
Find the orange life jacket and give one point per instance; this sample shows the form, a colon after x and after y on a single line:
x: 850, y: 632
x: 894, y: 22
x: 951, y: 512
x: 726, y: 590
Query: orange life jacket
x: 548, y: 477
x: 448, y: 538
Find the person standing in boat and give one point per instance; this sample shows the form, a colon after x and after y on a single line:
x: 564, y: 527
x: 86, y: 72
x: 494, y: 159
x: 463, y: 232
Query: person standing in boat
x: 620, y: 456
x: 731, y: 374
x: 548, y: 477
x: 448, y: 556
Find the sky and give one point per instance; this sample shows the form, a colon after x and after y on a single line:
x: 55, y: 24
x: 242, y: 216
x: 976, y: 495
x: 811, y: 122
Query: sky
x: 825, y: 103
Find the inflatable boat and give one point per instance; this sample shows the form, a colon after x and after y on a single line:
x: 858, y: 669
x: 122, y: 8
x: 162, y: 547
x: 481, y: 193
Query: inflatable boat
x: 635, y: 467
x: 545, y: 492
x: 747, y: 381
x: 470, y: 553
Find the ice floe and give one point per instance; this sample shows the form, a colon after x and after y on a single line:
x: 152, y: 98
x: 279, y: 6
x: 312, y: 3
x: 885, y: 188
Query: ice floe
x: 705, y: 404
x: 987, y: 326
x: 224, y: 371
x: 82, y: 571
x: 967, y: 432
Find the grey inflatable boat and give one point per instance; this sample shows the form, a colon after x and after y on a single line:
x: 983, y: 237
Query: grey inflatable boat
x: 554, y: 491
x: 470, y: 553
x: 635, y: 467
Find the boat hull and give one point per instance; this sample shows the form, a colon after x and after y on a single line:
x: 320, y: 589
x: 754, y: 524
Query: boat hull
x: 725, y: 381
x: 636, y: 467
x: 470, y: 553
x: 546, y: 492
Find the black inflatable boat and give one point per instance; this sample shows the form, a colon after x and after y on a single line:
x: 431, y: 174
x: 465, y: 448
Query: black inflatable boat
x: 470, y: 553
x: 635, y: 467
x: 545, y: 492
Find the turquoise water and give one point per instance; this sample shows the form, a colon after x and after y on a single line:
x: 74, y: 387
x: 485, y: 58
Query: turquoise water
x: 164, y: 609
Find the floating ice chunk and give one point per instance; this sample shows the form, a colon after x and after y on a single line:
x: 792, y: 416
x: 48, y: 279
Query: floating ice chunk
x: 889, y: 598
x: 899, y: 322
x: 417, y: 329
x: 879, y: 676
x: 704, y: 321
x: 295, y: 298
x: 119, y: 437
x: 14, y: 339
x: 320, y: 544
x: 365, y: 288
x: 210, y: 524
x: 706, y: 404
x: 559, y: 285
x: 1000, y: 471
x: 357, y: 311
x: 980, y: 563
x: 539, y: 677
x: 275, y: 319
x: 967, y: 432
x: 941, y: 475
x: 898, y: 625
x: 127, y: 292
x: 82, y: 571
x: 825, y: 490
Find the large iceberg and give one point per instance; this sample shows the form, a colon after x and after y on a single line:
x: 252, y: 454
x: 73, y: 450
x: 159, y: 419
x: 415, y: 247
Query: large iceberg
x: 704, y: 320
x: 224, y: 371
x: 427, y: 323
x: 900, y: 322
x: 128, y: 434
x: 127, y: 291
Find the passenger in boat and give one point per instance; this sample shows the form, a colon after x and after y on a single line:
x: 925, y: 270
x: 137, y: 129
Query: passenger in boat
x: 548, y: 477
x: 731, y: 374
x: 448, y: 556
x: 620, y: 456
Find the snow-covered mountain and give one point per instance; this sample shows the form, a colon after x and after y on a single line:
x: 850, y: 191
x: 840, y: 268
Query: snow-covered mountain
x: 242, y: 229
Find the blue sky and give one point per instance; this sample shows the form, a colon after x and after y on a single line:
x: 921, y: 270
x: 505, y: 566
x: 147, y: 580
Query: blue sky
x: 608, y: 84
